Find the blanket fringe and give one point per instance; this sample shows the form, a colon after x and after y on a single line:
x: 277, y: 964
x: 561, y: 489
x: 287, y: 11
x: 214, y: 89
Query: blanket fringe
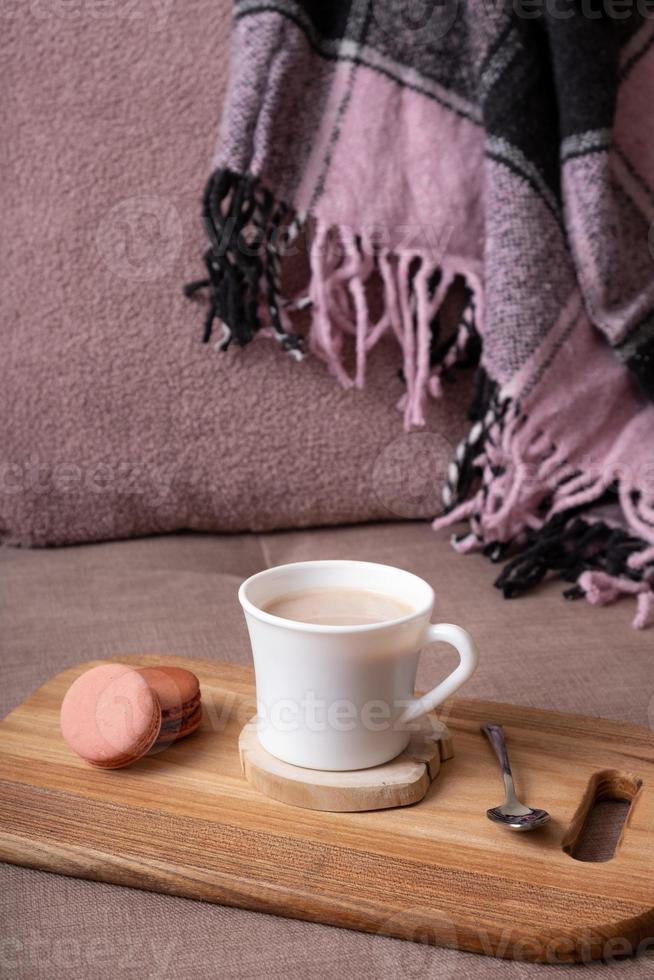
x: 523, y: 500
x: 519, y: 494
x: 250, y: 231
x: 345, y: 267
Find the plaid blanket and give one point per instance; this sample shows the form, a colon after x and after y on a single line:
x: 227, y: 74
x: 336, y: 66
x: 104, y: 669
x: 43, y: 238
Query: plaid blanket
x: 504, y: 147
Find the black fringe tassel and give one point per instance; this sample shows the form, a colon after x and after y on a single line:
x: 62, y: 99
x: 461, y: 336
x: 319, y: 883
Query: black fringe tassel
x: 244, y: 225
x: 567, y: 545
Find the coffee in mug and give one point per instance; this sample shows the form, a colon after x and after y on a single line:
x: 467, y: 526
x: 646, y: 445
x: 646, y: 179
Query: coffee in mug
x: 338, y: 606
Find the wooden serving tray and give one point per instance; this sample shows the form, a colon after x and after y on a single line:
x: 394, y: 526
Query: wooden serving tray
x: 186, y: 822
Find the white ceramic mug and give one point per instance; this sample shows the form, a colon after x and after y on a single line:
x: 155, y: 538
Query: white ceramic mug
x: 342, y: 697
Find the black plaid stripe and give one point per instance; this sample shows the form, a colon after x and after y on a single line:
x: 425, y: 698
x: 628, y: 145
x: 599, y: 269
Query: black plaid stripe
x: 585, y: 56
x: 519, y: 106
x: 428, y: 37
x: 536, y: 63
x: 329, y: 19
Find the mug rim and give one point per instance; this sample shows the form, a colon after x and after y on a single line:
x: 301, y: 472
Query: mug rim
x: 294, y: 624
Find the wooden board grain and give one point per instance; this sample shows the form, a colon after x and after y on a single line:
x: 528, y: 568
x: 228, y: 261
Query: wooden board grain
x: 186, y: 822
x: 400, y: 782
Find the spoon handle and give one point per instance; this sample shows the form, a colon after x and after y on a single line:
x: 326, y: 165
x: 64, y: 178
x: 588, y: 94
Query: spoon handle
x: 495, y: 735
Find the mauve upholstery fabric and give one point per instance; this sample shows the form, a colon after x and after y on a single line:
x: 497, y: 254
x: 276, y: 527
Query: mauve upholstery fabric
x: 177, y: 595
x: 116, y: 419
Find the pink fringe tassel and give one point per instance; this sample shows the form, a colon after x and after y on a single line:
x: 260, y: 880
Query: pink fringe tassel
x: 342, y: 266
x: 600, y: 589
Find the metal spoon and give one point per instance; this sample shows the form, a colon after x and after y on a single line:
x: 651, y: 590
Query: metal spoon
x: 512, y: 813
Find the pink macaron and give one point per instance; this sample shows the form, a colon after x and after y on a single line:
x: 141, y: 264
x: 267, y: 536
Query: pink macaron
x: 110, y: 716
x: 178, y: 691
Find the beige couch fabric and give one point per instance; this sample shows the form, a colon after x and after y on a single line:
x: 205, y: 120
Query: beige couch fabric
x: 177, y: 595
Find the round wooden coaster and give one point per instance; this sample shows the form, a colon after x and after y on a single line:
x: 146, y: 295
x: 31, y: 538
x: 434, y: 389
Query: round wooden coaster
x: 401, y: 781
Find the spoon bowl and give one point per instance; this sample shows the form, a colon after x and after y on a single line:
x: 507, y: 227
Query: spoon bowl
x: 518, y: 821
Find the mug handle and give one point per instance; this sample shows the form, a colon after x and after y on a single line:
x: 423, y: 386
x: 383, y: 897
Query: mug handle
x: 468, y: 658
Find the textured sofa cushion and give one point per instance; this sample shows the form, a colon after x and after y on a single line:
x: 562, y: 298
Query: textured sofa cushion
x: 177, y: 595
x: 116, y: 420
